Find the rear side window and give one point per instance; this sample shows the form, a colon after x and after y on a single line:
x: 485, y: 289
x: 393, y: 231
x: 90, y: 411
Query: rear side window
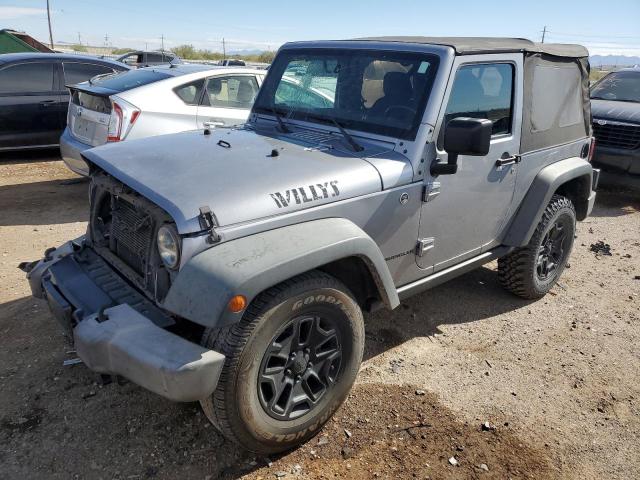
x: 483, y: 91
x: 27, y: 78
x: 231, y: 91
x: 130, y: 79
x: 556, y: 98
x: 81, y: 72
x: 190, y: 93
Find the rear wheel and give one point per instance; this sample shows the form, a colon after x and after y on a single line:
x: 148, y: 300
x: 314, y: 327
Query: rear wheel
x: 531, y: 271
x: 290, y: 363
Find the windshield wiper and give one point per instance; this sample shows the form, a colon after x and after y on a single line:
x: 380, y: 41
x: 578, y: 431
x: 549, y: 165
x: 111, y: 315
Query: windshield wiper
x: 283, y: 127
x: 356, y: 146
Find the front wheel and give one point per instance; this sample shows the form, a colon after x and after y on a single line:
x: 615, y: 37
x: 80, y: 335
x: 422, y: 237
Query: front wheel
x: 290, y: 363
x: 531, y: 271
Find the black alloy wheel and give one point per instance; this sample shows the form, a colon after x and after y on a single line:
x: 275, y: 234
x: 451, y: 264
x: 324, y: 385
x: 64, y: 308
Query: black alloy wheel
x: 300, y: 365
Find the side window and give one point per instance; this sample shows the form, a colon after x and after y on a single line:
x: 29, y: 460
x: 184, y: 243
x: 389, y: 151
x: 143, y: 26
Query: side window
x: 231, y: 92
x: 190, y: 92
x: 132, y: 59
x: 483, y: 91
x: 154, y: 58
x: 27, y: 78
x: 81, y: 72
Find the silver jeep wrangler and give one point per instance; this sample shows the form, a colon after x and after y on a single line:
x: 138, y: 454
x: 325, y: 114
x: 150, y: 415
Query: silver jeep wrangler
x: 232, y: 267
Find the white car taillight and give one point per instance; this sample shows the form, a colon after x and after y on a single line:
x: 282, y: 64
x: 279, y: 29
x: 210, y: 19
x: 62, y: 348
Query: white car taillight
x: 123, y: 116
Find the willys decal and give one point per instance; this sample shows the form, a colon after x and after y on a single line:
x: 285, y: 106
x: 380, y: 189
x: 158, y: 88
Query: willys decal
x: 311, y: 193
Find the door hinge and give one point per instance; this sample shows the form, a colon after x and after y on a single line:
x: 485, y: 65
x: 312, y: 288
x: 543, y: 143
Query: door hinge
x: 208, y: 221
x: 424, y: 245
x: 430, y: 191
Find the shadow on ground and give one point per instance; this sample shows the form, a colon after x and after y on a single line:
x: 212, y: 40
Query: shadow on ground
x: 612, y: 202
x: 29, y: 156
x: 44, y: 203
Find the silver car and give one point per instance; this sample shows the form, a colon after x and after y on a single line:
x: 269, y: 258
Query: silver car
x: 154, y: 101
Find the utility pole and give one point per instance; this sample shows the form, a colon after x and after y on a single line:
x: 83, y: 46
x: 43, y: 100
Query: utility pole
x: 162, y: 40
x: 544, y: 32
x: 224, y: 50
x: 79, y: 39
x: 106, y: 40
x: 49, y: 20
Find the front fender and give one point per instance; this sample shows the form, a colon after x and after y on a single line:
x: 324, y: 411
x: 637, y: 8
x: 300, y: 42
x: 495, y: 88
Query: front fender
x: 250, y: 265
x: 544, y: 185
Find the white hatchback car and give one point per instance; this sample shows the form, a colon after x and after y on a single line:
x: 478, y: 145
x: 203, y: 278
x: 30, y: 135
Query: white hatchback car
x: 155, y: 101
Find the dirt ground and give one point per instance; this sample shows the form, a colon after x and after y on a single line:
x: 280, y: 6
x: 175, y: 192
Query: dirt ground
x: 557, y: 380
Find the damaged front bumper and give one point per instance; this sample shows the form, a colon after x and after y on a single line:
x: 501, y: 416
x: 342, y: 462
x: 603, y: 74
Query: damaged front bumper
x: 116, y: 329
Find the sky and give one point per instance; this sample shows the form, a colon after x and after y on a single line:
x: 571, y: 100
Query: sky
x: 606, y: 28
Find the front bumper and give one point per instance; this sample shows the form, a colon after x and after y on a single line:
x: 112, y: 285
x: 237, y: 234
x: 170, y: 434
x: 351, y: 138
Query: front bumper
x: 71, y: 152
x: 118, y: 331
x: 620, y: 167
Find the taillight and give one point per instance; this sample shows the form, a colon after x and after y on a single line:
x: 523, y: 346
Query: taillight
x: 123, y: 116
x: 592, y: 148
x: 115, y: 123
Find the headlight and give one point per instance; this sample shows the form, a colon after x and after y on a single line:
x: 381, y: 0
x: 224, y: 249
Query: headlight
x: 169, y: 246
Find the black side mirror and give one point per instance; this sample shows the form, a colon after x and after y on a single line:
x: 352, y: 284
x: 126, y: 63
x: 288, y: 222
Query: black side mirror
x: 463, y: 136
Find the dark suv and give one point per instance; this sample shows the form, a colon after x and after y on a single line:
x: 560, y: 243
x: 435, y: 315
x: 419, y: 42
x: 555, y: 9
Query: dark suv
x: 615, y: 104
x: 33, y: 97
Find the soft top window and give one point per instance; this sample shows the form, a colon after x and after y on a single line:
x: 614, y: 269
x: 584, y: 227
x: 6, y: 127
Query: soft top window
x: 382, y: 92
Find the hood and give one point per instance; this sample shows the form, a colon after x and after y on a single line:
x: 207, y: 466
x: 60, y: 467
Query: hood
x: 618, y: 111
x: 240, y: 174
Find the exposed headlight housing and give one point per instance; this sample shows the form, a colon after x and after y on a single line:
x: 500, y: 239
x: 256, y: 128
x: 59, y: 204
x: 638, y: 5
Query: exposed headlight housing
x: 169, y: 246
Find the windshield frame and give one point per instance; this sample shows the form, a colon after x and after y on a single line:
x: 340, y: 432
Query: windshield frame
x: 266, y: 95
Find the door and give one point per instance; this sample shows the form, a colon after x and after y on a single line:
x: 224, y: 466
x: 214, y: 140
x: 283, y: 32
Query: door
x: 29, y: 105
x: 227, y: 100
x: 465, y: 212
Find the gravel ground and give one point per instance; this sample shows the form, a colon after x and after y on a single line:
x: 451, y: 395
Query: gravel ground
x: 557, y: 380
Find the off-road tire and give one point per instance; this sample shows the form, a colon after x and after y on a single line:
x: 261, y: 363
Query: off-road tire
x: 234, y: 408
x: 517, y: 270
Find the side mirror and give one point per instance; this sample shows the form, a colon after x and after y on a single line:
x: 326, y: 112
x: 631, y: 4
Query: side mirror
x: 463, y: 136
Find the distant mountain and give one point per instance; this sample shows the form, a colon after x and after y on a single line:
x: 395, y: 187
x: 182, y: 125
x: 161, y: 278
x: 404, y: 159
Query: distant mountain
x: 617, y: 60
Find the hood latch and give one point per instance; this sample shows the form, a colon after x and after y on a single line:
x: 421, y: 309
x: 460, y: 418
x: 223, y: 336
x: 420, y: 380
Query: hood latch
x: 209, y: 222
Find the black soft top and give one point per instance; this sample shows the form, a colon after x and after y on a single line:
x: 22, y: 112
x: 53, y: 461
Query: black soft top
x: 477, y: 45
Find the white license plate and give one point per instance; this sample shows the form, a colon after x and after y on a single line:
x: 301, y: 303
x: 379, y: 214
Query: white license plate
x: 84, y: 128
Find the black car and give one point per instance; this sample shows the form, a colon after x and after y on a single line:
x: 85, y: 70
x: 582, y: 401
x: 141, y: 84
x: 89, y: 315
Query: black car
x: 615, y: 106
x: 33, y: 97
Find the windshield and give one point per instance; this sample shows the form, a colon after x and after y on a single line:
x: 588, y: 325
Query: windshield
x: 620, y: 86
x: 372, y: 91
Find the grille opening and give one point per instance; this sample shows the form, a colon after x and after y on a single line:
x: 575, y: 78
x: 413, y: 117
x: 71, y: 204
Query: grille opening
x: 132, y: 232
x: 617, y: 135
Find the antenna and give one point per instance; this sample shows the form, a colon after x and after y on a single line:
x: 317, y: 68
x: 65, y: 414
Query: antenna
x: 49, y: 20
x: 544, y: 32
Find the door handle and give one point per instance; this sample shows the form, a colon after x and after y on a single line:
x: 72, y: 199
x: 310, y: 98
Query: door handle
x: 47, y: 103
x: 511, y: 160
x: 213, y: 124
